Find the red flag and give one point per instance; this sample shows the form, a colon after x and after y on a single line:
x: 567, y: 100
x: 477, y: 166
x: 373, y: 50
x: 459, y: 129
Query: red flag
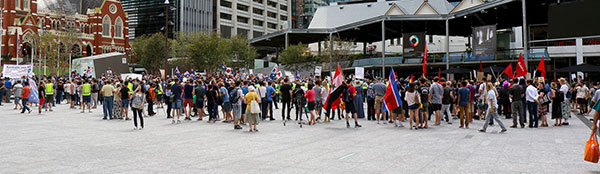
x: 521, y: 68
x: 439, y: 73
x: 480, y: 66
x: 509, y: 72
x: 542, y: 68
x: 425, y: 61
x: 333, y: 98
x: 411, y: 79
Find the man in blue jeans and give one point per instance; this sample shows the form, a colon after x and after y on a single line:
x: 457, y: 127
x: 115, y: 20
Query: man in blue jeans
x: 531, y: 95
x: 108, y: 93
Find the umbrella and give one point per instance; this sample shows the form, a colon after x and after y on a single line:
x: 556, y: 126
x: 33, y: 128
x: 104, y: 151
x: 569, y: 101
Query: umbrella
x: 496, y: 69
x: 456, y: 70
x: 580, y: 68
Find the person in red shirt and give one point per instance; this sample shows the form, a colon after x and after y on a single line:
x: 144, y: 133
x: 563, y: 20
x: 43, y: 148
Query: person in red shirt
x: 310, y: 97
x: 25, y: 97
x: 348, y: 97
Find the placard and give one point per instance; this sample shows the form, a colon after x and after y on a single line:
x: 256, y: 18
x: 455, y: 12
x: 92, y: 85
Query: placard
x: 124, y: 60
x: 17, y: 71
x: 359, y: 72
x: 479, y: 76
x: 318, y: 70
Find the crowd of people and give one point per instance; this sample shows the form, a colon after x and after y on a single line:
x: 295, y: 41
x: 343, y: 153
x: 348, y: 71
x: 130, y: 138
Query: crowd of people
x: 249, y: 100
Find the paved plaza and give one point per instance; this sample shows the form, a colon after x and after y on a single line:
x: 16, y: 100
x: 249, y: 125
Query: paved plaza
x: 66, y: 141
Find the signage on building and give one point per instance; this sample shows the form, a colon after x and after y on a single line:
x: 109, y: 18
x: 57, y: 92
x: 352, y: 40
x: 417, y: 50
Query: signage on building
x: 413, y: 45
x: 484, y: 42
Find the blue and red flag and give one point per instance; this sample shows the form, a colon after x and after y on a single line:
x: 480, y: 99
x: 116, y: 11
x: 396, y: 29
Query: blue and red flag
x: 391, y: 99
x: 274, y: 72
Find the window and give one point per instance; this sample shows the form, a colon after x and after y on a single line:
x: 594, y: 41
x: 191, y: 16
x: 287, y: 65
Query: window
x: 258, y: 1
x: 283, y: 7
x: 272, y: 15
x: 257, y: 22
x: 272, y: 4
x: 18, y: 4
x: 257, y: 11
x: 26, y: 4
x: 106, y: 24
x: 119, y: 28
x: 225, y: 16
x: 225, y: 3
x: 271, y: 25
x: 283, y: 18
x: 242, y: 19
x: 242, y: 7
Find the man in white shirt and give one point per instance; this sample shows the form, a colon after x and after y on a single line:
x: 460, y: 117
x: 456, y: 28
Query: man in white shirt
x: 531, y: 95
x: 564, y: 88
x: 582, y: 96
x: 491, y: 110
x: 262, y: 92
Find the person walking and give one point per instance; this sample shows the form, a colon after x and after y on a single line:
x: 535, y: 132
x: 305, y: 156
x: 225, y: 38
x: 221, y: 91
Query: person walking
x: 347, y: 97
x: 532, y: 103
x: 516, y: 94
x: 86, y: 92
x: 108, y: 92
x: 286, y: 99
x: 251, y: 118
x: 137, y: 103
x: 310, y: 97
x: 25, y: 97
x: 177, y: 91
x: 17, y: 90
x: 491, y: 110
x: 269, y: 95
x: 464, y: 100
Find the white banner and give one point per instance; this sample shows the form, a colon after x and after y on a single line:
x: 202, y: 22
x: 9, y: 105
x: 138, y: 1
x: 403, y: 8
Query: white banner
x: 132, y: 76
x: 359, y: 72
x: 318, y: 71
x: 17, y: 71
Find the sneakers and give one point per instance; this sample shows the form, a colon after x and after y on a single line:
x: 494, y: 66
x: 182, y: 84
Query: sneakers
x: 135, y: 128
x: 503, y: 130
x: 481, y: 130
x: 172, y: 121
x: 237, y: 127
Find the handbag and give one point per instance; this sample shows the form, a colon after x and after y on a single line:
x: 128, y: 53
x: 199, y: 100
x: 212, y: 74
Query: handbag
x: 591, y: 149
x: 545, y: 99
x: 254, y: 107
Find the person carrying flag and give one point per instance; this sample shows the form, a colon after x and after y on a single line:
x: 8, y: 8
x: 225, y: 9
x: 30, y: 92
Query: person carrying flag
x: 391, y: 100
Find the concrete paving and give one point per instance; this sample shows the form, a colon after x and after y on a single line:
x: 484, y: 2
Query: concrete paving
x: 66, y: 141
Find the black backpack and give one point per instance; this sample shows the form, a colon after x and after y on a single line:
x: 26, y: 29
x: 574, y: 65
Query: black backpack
x: 346, y: 97
x: 233, y: 95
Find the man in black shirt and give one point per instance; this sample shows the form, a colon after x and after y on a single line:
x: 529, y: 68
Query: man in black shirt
x: 516, y: 94
x: 424, y: 92
x: 124, y: 94
x: 286, y: 98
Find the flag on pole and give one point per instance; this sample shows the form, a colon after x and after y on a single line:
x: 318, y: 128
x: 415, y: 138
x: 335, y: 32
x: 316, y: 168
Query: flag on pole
x: 298, y: 75
x: 335, y: 92
x: 521, y: 68
x: 480, y: 66
x: 411, y: 79
x: 509, y: 71
x: 177, y: 72
x: 425, y: 61
x: 224, y: 67
x: 33, y: 94
x: 542, y: 68
x: 274, y: 72
x: 391, y: 99
x: 439, y: 73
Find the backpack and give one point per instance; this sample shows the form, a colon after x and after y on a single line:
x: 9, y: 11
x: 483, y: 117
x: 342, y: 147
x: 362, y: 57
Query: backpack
x: 346, y: 95
x: 569, y: 94
x: 233, y: 95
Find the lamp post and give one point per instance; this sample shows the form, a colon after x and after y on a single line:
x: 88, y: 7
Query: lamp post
x: 166, y: 35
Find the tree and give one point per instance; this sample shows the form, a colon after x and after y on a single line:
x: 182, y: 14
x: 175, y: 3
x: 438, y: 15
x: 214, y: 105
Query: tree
x: 297, y: 57
x: 339, y: 50
x: 149, y: 50
x: 68, y: 40
x: 242, y: 54
x: 209, y: 51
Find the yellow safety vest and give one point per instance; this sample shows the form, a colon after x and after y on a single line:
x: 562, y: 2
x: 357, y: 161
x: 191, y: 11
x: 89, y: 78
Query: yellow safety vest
x: 130, y: 87
x: 87, y: 89
x: 49, y: 89
x: 160, y: 89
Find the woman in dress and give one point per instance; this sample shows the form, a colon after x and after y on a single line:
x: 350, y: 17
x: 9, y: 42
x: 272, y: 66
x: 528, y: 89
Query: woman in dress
x: 251, y: 118
x: 542, y: 107
x: 137, y: 103
x: 557, y: 99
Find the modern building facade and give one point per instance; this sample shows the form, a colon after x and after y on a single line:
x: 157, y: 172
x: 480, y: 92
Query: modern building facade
x: 148, y: 16
x: 304, y: 10
x: 103, y: 29
x: 252, y: 18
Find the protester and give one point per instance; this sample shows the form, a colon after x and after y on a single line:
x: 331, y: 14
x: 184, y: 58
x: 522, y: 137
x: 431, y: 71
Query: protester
x: 17, y: 90
x: 252, y: 118
x: 463, y: 105
x: 25, y: 97
x: 107, y: 93
x: 137, y: 103
x: 491, y: 110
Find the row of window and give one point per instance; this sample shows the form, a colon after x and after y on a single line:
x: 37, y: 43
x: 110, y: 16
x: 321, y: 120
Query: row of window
x: 107, y: 26
x: 242, y: 7
x: 270, y: 14
x: 25, y: 6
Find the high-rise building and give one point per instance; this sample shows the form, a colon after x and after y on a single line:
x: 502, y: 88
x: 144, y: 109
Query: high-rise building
x: 304, y: 11
x: 252, y: 18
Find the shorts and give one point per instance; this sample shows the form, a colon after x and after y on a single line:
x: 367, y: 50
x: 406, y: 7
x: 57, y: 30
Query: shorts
x: 425, y: 108
x: 67, y: 96
x: 581, y: 101
x: 17, y: 100
x: 188, y: 102
x: 398, y: 110
x: 74, y: 97
x: 378, y: 103
x: 124, y: 103
x: 237, y: 111
x: 311, y: 106
x: 436, y: 107
x: 244, y: 108
x: 177, y: 104
x: 413, y: 107
x: 49, y: 98
x: 41, y: 101
x: 199, y: 103
x: 318, y: 105
x: 350, y: 107
x: 87, y: 99
x: 226, y: 106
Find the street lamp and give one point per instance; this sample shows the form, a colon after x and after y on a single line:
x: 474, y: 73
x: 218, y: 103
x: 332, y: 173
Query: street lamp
x: 166, y: 35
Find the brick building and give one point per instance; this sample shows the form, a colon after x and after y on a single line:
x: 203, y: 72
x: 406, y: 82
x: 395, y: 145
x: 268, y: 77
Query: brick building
x: 103, y: 29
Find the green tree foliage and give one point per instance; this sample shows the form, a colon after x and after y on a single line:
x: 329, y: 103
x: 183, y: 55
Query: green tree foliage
x: 338, y: 50
x: 149, y: 50
x: 242, y: 54
x: 297, y: 57
x: 209, y: 51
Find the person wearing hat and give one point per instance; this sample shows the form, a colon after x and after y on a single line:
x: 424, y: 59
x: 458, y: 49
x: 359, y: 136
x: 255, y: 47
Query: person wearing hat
x: 347, y: 97
x: 358, y: 100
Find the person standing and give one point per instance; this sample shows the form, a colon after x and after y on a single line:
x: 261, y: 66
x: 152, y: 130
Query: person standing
x: 286, y: 99
x: 299, y: 100
x: 25, y: 97
x: 49, y: 94
x: 503, y: 107
x: 582, y: 97
x: 226, y: 106
x: 86, y: 92
x: 95, y: 90
x: 236, y: 99
x: 491, y: 110
x: 269, y: 95
x: 124, y: 95
x: 151, y: 97
x: 17, y: 90
x: 324, y: 94
x: 566, y: 111
x: 532, y: 102
x: 347, y: 98
x: 557, y: 98
x: 169, y: 100
x: 423, y: 90
x: 318, y: 98
x: 447, y: 101
x: 200, y: 93
x: 251, y: 118
x: 516, y: 94
x: 464, y: 99
x: 7, y: 89
x: 2, y: 90
x: 177, y: 91
x: 310, y: 97
x: 188, y: 99
x: 108, y: 92
x: 371, y: 102
x: 211, y: 103
x: 437, y: 91
x: 41, y: 96
x: 379, y: 89
x: 137, y: 103
x: 59, y: 91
